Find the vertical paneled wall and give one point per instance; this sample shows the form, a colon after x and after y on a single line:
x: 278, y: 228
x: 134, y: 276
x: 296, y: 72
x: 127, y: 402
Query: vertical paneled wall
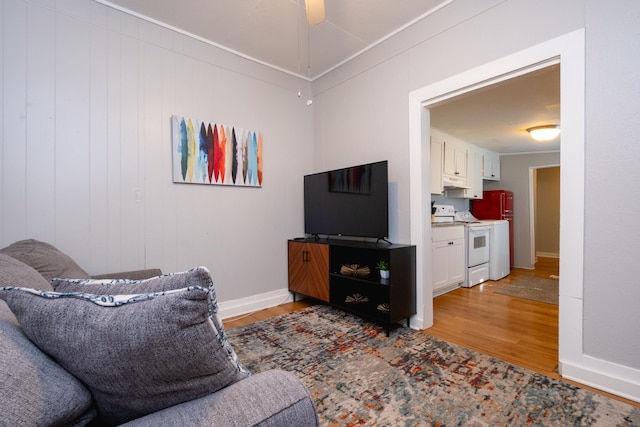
x: 85, y: 156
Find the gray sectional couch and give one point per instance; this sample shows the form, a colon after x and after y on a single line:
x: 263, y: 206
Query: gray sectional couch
x: 135, y: 349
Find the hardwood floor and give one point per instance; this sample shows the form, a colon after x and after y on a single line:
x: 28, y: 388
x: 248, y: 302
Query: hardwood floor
x: 518, y: 331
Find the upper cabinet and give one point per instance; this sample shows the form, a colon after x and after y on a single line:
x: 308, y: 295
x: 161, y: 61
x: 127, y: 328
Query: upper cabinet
x: 455, y: 160
x: 458, y: 168
x: 473, y: 181
x: 437, y: 154
x: 490, y: 165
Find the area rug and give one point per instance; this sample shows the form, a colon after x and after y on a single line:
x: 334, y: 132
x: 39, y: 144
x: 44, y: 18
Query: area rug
x: 533, y: 288
x: 358, y: 376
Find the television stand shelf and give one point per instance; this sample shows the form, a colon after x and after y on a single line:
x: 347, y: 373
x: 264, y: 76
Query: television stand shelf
x: 315, y: 270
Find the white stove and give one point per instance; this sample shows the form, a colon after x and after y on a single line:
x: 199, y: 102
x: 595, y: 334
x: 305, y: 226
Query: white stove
x: 443, y: 213
x: 464, y: 216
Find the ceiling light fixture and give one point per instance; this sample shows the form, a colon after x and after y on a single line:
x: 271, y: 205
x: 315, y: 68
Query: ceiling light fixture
x: 315, y: 11
x: 544, y: 133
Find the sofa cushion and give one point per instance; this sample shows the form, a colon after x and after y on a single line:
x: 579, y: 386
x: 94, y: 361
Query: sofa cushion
x: 34, y: 390
x: 272, y: 398
x: 16, y: 273
x: 137, y: 353
x: 45, y: 258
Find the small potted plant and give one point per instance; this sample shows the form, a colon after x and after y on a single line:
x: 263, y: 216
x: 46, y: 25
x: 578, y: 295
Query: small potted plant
x: 383, y: 266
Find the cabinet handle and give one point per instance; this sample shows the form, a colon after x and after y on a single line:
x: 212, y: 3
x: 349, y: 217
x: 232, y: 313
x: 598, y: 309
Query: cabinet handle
x: 305, y: 256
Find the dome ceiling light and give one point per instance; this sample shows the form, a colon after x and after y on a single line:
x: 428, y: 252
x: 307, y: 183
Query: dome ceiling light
x: 544, y: 133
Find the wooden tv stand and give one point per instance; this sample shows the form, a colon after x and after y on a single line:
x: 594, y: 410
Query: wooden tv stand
x: 315, y: 271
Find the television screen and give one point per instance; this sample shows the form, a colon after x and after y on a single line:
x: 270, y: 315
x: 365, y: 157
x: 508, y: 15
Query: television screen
x: 348, y: 202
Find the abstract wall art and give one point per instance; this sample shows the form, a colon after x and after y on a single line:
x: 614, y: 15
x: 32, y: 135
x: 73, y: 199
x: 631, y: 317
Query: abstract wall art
x: 213, y: 153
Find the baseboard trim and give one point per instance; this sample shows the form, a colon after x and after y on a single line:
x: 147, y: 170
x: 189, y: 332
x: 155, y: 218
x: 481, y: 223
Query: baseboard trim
x: 253, y: 303
x: 548, y: 254
x: 606, y: 376
x: 417, y: 322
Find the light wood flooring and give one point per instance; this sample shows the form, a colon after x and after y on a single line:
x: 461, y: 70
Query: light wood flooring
x: 515, y: 330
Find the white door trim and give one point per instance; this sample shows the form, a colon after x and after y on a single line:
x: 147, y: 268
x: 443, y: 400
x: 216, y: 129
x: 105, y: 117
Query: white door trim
x: 568, y: 50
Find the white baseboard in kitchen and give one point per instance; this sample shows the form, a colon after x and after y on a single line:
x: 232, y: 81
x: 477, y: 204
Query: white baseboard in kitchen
x: 548, y: 254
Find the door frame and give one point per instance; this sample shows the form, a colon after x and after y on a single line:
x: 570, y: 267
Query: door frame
x: 533, y: 190
x: 567, y: 50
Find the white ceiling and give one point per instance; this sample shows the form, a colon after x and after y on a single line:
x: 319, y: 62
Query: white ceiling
x: 275, y: 33
x: 497, y: 116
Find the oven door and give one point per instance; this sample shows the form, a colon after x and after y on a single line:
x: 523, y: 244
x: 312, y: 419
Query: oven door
x: 478, y: 245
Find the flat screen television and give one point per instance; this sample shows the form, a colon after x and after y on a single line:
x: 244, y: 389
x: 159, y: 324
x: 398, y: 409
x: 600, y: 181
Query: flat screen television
x: 348, y: 202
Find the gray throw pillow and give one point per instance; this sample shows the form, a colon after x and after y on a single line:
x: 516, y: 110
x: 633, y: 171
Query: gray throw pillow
x: 34, y: 390
x: 137, y: 353
x: 45, y: 258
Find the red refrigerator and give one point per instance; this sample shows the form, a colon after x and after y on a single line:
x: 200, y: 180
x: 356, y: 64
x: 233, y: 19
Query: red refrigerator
x: 496, y: 204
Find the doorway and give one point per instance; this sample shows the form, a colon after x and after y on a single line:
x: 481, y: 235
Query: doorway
x: 568, y: 50
x: 544, y: 214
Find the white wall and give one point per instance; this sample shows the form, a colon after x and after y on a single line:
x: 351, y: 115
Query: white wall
x: 88, y: 93
x: 611, y: 289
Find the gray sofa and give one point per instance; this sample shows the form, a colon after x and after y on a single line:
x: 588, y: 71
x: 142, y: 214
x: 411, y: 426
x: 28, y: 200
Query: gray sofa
x: 81, y: 356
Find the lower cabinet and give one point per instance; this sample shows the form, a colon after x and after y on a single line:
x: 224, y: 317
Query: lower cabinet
x: 355, y: 284
x: 448, y: 258
x: 309, y: 269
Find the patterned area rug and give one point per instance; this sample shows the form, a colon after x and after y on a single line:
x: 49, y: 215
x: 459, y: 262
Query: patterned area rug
x: 359, y: 377
x: 534, y: 288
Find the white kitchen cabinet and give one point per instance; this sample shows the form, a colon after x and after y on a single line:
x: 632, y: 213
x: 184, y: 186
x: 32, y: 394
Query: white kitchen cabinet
x: 491, y: 166
x: 448, y: 258
x: 437, y: 152
x: 474, y: 178
x: 455, y: 160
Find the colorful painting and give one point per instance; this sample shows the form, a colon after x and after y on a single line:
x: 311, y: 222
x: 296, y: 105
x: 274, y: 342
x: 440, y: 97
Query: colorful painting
x: 211, y: 153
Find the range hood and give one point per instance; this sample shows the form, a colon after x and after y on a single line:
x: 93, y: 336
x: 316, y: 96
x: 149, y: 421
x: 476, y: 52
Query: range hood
x: 452, y: 184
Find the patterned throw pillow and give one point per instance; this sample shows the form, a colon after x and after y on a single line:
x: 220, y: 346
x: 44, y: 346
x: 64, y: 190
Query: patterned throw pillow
x: 165, y: 282
x: 139, y: 352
